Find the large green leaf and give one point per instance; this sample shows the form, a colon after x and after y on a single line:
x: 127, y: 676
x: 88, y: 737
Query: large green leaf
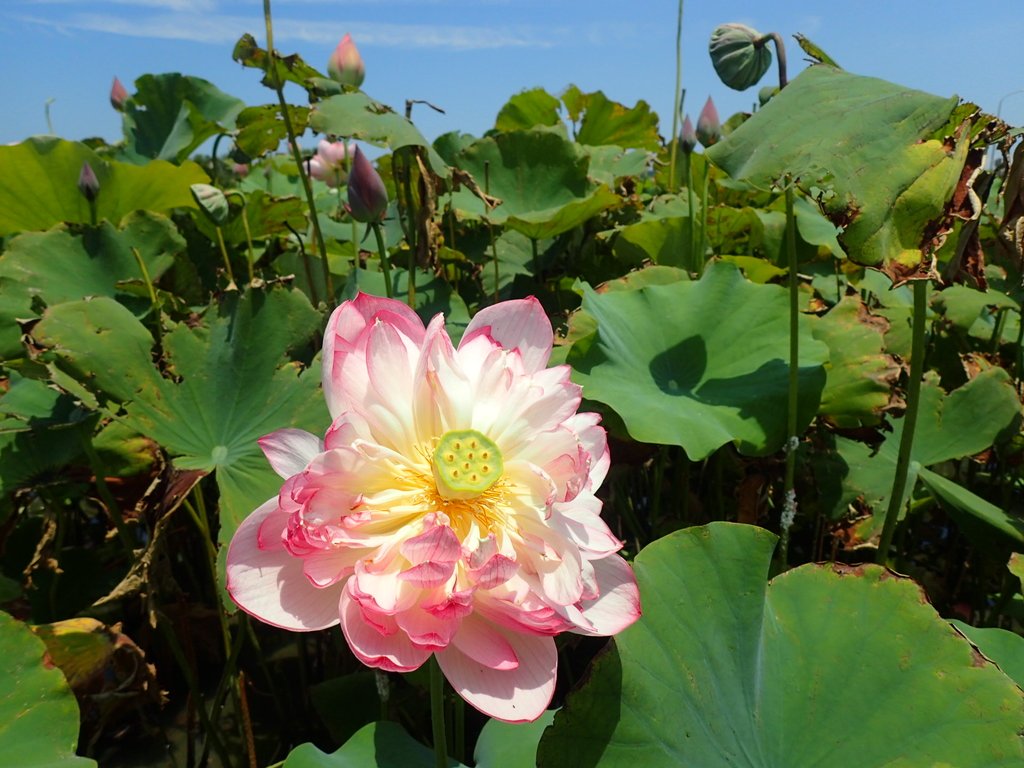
x: 528, y: 109
x: 230, y: 383
x: 607, y: 122
x: 60, y: 265
x: 357, y: 116
x: 510, y: 745
x: 1005, y: 648
x: 964, y: 422
x: 38, y: 711
x: 171, y: 115
x: 377, y: 745
x: 540, y: 178
x: 824, y: 665
x: 964, y: 505
x: 40, y: 186
x: 40, y: 430
x: 698, y: 364
x: 867, y: 140
x: 860, y: 374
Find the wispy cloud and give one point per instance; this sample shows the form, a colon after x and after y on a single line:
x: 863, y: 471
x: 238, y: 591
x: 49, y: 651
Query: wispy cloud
x: 182, y: 6
x: 213, y: 28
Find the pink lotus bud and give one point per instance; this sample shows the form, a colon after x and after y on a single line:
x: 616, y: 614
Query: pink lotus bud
x: 709, y: 129
x: 328, y: 164
x: 688, y: 137
x: 241, y: 169
x: 346, y: 65
x: 367, y: 197
x: 118, y: 95
x: 88, y: 184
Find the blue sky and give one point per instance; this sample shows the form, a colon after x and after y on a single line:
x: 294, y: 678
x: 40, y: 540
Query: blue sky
x: 469, y: 56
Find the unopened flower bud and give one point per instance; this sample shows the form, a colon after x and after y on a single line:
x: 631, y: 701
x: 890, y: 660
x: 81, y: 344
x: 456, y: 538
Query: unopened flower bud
x: 688, y: 137
x: 346, y: 65
x: 367, y: 197
x: 709, y: 128
x: 118, y: 95
x: 88, y: 184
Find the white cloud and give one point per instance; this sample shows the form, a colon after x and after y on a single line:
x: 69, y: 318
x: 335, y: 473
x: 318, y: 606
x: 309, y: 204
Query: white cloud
x: 181, y: 6
x: 211, y: 28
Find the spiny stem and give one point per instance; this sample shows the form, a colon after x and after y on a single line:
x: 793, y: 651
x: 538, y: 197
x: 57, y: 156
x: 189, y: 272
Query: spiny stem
x: 293, y: 143
x: 899, y: 483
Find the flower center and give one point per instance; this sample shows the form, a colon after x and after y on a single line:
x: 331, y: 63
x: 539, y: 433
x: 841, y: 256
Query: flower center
x: 466, y: 464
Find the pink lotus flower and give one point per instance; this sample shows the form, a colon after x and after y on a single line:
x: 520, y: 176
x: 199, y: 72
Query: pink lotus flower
x: 118, y: 95
x: 328, y: 164
x: 346, y: 65
x: 448, y: 510
x: 367, y: 195
x: 709, y: 127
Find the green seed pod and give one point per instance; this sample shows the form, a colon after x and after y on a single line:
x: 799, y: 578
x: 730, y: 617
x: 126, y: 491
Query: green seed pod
x: 739, y: 55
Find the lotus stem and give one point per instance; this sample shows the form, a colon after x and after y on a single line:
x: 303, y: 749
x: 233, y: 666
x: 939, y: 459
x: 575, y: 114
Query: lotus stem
x: 690, y: 200
x: 780, y: 51
x: 385, y: 264
x: 792, y: 440
x: 293, y: 143
x: 677, y: 96
x: 437, y: 713
x: 899, y: 483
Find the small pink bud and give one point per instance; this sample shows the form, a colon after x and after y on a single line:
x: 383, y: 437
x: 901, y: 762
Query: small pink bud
x: 346, y: 65
x: 88, y: 184
x: 709, y: 129
x: 241, y: 169
x: 118, y: 95
x: 367, y: 197
x: 688, y: 137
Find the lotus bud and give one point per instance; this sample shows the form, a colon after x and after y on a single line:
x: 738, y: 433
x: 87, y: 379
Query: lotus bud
x: 118, y: 95
x: 328, y: 164
x: 346, y: 65
x: 88, y: 184
x: 367, y: 197
x: 688, y: 137
x: 740, y: 55
x: 709, y: 128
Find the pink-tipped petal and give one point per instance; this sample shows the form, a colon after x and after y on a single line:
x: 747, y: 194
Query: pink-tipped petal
x: 290, y: 450
x: 270, y: 584
x: 393, y: 652
x: 482, y: 643
x: 342, y: 337
x: 521, y: 325
x: 619, y: 603
x: 517, y: 695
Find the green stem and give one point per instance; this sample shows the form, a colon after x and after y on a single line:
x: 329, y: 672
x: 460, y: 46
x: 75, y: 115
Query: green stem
x: 780, y: 51
x: 692, y: 257
x: 702, y: 249
x: 677, y: 96
x: 460, y: 729
x: 146, y: 278
x: 899, y: 483
x: 789, y: 492
x: 437, y: 713
x: 385, y: 263
x: 294, y: 144
x: 224, y: 253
